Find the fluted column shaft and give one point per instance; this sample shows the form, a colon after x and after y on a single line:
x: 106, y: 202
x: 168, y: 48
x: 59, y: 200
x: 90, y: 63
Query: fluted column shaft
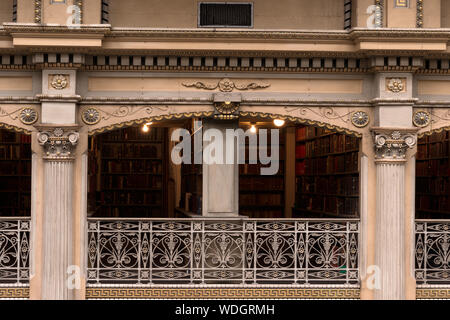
x: 390, y: 240
x: 58, y: 221
x: 57, y: 227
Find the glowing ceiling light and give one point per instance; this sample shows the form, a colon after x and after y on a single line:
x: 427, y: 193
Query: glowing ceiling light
x: 279, y: 122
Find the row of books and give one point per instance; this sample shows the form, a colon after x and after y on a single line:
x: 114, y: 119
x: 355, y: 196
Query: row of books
x: 432, y: 168
x: 261, y: 183
x: 130, y: 198
x: 15, y: 200
x: 262, y: 213
x: 331, y: 185
x: 15, y: 168
x: 127, y: 212
x: 131, y: 181
x: 135, y: 133
x: 15, y: 183
x: 325, y: 145
x: 344, y: 163
x: 433, y: 203
x: 130, y: 150
x: 260, y: 199
x: 437, y: 185
x: 132, y: 166
x: 332, y: 205
x: 255, y: 169
x: 309, y: 132
x: 15, y: 152
x: 435, y: 137
x: 12, y: 137
x: 434, y: 150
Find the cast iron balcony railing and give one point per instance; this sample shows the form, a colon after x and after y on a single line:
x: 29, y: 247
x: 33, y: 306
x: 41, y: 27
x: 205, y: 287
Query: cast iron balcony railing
x: 229, y: 251
x: 14, y: 251
x: 432, y: 257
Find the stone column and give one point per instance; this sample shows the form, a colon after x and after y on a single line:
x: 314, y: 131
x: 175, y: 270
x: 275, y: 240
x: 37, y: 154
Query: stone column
x: 220, y: 181
x: 57, y: 238
x: 390, y: 158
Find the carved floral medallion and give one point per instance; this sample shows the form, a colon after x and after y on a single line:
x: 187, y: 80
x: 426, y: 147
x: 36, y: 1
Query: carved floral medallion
x: 59, y: 82
x: 396, y: 85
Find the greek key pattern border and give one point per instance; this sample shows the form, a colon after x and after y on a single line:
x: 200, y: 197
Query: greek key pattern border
x: 433, y: 293
x: 14, y: 293
x: 222, y: 293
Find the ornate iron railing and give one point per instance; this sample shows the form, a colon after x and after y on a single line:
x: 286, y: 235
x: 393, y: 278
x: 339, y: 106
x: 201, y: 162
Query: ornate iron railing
x: 229, y: 251
x: 14, y: 250
x: 432, y: 252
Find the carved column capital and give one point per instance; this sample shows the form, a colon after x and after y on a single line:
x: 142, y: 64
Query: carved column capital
x: 391, y: 144
x: 58, y: 142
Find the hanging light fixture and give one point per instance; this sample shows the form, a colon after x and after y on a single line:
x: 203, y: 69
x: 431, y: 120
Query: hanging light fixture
x: 253, y: 127
x: 146, y: 127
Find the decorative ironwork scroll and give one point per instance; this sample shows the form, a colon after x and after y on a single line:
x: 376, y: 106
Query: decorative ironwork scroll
x: 230, y: 251
x: 14, y: 250
x: 432, y: 256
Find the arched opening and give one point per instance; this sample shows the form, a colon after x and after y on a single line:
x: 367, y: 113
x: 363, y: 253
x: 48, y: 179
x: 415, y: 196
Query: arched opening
x: 318, y: 175
x: 131, y: 174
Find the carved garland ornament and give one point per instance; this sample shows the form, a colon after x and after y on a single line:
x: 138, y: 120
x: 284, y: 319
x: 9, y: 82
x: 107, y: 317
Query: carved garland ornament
x: 59, y: 82
x: 419, y: 18
x: 227, y: 85
x: 58, y: 144
x: 37, y: 11
x: 392, y: 145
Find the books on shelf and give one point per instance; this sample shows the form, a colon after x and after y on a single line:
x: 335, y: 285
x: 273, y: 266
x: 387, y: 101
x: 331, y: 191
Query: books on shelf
x: 127, y: 173
x: 432, y: 176
x: 15, y: 174
x: 327, y: 178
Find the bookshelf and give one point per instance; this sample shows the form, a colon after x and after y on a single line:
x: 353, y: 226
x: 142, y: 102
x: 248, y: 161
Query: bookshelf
x: 327, y: 174
x: 191, y: 182
x: 262, y: 196
x: 15, y: 174
x: 432, y: 177
x: 128, y: 173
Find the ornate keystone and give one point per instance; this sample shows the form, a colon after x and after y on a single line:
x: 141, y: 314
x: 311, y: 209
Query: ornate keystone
x: 58, y: 143
x: 391, y: 145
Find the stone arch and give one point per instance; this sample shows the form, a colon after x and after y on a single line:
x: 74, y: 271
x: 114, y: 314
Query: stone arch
x: 101, y: 119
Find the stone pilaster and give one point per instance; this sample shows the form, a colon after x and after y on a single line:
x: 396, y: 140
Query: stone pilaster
x: 57, y: 237
x: 391, y: 146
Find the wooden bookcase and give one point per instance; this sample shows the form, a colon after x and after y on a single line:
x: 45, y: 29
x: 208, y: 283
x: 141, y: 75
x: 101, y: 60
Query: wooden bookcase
x: 432, y: 177
x: 128, y: 173
x: 262, y: 196
x: 15, y: 174
x: 327, y: 174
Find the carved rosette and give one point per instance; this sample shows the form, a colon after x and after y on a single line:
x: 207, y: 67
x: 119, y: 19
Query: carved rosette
x: 59, y: 82
x: 59, y: 144
x: 421, y: 118
x: 391, y: 145
x: 90, y: 116
x: 396, y: 85
x: 28, y: 116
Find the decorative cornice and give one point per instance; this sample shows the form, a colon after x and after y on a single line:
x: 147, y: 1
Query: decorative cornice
x: 391, y: 144
x: 227, y: 85
x: 58, y: 142
x: 222, y: 293
x: 58, y: 98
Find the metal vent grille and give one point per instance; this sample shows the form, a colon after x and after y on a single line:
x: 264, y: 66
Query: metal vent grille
x: 225, y: 15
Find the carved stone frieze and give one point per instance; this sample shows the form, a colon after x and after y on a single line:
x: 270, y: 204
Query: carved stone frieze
x: 227, y: 85
x: 58, y: 143
x: 392, y: 144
